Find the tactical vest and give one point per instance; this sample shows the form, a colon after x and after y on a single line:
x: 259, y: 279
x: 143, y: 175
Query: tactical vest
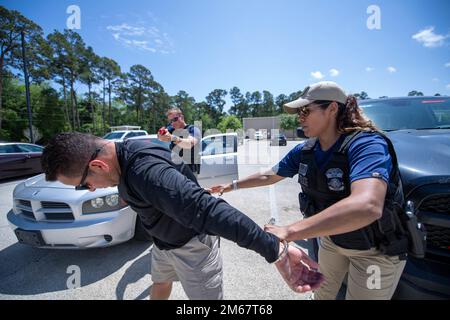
x: 322, y: 187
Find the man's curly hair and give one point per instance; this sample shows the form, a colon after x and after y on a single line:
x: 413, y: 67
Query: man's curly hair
x: 68, y: 154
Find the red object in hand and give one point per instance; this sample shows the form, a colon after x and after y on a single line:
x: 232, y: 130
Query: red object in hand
x: 162, y: 131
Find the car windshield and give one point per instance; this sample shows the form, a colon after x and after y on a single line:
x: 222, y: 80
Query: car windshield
x: 397, y: 114
x: 114, y: 135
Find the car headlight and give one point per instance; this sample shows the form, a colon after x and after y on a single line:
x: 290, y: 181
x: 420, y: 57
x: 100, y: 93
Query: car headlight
x: 112, y: 200
x: 107, y: 203
x: 97, y: 203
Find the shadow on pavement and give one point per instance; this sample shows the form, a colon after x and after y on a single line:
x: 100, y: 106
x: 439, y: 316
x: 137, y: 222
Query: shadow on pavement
x: 134, y: 273
x: 28, y: 271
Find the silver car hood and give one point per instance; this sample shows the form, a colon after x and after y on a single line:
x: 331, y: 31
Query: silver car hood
x: 40, y: 182
x: 36, y: 188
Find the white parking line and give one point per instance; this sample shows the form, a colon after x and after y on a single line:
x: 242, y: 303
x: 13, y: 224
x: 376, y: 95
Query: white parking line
x: 273, y: 204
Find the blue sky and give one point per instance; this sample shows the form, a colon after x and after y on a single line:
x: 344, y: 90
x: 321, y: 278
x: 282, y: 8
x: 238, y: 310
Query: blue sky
x: 280, y: 46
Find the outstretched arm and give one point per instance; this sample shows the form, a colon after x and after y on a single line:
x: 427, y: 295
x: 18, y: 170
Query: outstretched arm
x: 255, y: 180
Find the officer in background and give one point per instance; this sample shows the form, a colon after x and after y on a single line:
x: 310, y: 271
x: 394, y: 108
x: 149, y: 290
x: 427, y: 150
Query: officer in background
x: 351, y: 195
x: 184, y: 139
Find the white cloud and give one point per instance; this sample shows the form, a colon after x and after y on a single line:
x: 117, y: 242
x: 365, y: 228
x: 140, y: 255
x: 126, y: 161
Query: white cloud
x: 317, y: 75
x: 448, y: 87
x: 142, y: 45
x: 334, y: 72
x: 391, y: 69
x: 369, y: 69
x: 447, y: 65
x: 142, y: 37
x: 428, y: 38
x: 435, y: 80
x: 127, y: 30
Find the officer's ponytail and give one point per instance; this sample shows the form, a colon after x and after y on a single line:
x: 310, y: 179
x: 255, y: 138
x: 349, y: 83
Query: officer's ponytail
x: 350, y: 117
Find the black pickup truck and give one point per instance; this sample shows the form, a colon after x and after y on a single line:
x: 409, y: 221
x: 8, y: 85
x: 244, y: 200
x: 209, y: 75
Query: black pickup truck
x: 419, y: 128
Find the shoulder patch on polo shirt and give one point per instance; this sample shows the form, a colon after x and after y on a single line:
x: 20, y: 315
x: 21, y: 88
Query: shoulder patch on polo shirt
x: 377, y: 175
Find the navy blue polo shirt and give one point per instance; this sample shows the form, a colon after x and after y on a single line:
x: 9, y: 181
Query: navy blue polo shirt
x: 368, y: 157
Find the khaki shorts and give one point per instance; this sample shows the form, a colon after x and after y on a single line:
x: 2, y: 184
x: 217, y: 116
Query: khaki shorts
x: 197, y: 265
x: 371, y: 274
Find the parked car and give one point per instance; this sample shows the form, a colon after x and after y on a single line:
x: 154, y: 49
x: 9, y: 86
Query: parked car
x: 19, y: 159
x: 121, y: 133
x: 419, y: 128
x: 259, y: 135
x: 219, y: 159
x: 53, y: 215
x: 278, y: 140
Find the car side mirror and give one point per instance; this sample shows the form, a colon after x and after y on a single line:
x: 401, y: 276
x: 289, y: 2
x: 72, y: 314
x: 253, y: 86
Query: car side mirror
x: 301, y: 133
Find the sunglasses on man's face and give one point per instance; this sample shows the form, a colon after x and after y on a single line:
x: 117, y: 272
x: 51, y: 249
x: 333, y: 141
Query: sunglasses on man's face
x: 174, y: 119
x: 83, y: 185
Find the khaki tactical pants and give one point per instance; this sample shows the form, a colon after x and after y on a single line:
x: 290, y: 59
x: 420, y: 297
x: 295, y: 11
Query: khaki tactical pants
x: 371, y: 274
x: 197, y: 265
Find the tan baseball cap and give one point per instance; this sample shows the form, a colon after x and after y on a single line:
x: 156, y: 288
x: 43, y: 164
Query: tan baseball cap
x: 323, y: 90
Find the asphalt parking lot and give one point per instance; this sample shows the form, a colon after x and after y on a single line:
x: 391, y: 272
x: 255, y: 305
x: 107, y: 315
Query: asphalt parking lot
x: 123, y: 271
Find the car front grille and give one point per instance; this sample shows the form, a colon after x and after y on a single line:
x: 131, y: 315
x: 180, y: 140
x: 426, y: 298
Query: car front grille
x: 57, y: 211
x: 437, y: 203
x: 438, y: 237
x: 433, y: 212
x: 24, y: 207
x: 25, y: 203
x: 54, y: 205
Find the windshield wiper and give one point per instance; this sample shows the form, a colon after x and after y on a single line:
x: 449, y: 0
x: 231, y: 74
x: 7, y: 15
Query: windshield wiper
x: 437, y: 127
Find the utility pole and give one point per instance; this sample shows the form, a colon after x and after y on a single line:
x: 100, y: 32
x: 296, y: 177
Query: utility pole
x: 27, y: 86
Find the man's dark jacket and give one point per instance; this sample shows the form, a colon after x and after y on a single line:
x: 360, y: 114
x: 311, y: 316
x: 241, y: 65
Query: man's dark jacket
x: 174, y: 208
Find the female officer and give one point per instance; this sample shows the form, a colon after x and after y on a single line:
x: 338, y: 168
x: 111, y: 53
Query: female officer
x: 351, y: 194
